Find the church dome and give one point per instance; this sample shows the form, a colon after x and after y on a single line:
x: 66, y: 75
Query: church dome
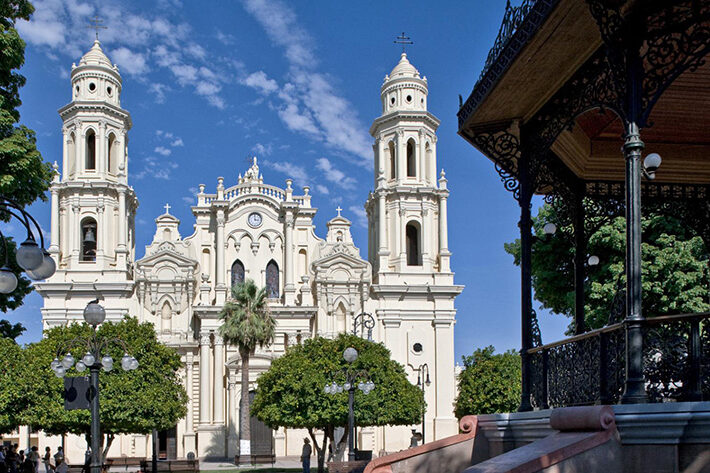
x: 403, y: 69
x: 96, y: 57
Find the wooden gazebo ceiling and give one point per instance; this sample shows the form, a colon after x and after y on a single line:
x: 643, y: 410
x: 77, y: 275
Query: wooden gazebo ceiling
x: 680, y: 133
x: 592, y: 149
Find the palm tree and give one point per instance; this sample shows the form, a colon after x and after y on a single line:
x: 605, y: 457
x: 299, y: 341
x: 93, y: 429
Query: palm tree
x: 247, y: 323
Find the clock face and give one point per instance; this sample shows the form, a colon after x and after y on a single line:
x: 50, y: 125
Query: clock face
x: 254, y: 219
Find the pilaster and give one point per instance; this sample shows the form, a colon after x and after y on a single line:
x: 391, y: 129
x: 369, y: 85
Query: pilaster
x: 205, y: 378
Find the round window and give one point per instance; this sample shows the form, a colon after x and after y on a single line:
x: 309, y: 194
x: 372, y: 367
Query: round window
x: 109, y: 90
x: 92, y: 86
x: 417, y: 347
x: 409, y: 98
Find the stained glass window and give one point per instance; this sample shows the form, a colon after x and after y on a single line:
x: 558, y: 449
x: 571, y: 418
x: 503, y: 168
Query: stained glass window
x: 272, y: 280
x: 237, y: 272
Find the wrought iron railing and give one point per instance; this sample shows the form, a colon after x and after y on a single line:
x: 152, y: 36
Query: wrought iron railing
x: 590, y: 368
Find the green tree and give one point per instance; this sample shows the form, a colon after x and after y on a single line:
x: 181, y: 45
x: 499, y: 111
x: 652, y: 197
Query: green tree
x: 489, y: 383
x: 11, y: 331
x: 12, y: 358
x: 151, y: 397
x: 24, y: 176
x: 247, y: 323
x: 675, y: 272
x: 291, y: 392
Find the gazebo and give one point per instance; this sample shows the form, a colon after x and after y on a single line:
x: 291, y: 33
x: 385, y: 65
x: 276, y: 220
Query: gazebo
x: 566, y: 86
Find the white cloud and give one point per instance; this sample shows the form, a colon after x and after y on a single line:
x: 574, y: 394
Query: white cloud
x: 298, y: 173
x: 142, y: 43
x: 335, y: 175
x: 134, y: 63
x: 311, y: 104
x: 177, y: 142
x: 262, y: 150
x: 260, y: 81
x: 156, y: 168
x: 225, y: 38
x: 360, y: 215
x: 162, y: 151
x: 322, y: 189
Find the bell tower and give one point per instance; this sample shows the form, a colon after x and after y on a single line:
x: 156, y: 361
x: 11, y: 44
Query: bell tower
x: 93, y: 208
x: 407, y: 210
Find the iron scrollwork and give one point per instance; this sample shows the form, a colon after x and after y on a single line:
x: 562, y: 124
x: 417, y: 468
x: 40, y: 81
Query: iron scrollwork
x: 503, y: 146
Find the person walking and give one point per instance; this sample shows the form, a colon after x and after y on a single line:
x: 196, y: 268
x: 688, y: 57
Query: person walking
x: 47, y: 460
x: 3, y: 466
x: 306, y: 455
x: 33, y: 456
x: 58, y: 457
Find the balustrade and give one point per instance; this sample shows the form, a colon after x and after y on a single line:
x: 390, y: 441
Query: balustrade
x: 590, y: 368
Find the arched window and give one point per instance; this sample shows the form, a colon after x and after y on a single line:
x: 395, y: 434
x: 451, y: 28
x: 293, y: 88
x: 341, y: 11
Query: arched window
x: 111, y: 158
x: 413, y: 249
x: 166, y: 314
x: 393, y: 164
x: 88, y: 239
x: 411, y: 159
x: 90, y: 150
x: 302, y: 262
x: 272, y: 280
x: 237, y: 272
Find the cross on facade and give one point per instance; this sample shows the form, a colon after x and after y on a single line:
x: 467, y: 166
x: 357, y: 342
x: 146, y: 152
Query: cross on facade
x: 403, y: 40
x: 167, y: 208
x: 338, y: 210
x: 96, y: 25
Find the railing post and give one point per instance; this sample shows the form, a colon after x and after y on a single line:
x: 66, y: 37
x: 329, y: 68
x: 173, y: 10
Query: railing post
x: 604, y: 397
x: 695, y: 390
x: 545, y: 377
x: 526, y: 192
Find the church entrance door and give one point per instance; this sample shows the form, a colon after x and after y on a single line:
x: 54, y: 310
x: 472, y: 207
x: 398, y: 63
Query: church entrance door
x: 262, y: 437
x: 167, y: 444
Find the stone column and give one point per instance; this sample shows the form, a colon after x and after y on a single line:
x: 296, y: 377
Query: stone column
x: 54, y: 228
x: 189, y: 439
x: 421, y: 155
x: 401, y: 156
x: 205, y: 378
x: 444, y: 254
x: 101, y: 231
x: 101, y: 148
x: 402, y: 225
x: 444, y: 381
x: 426, y: 243
x: 289, y: 288
x: 383, y: 243
x: 220, y: 288
x: 232, y: 419
x: 75, y: 231
x: 121, y: 250
x: 218, y: 380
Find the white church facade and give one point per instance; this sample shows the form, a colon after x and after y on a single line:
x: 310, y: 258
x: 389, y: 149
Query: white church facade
x: 246, y: 228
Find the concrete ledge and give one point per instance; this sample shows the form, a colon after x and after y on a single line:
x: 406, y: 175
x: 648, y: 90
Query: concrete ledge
x: 669, y: 423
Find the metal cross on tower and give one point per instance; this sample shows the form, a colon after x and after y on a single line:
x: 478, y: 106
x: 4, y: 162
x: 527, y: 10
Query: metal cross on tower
x: 96, y: 24
x: 403, y: 40
x: 167, y: 208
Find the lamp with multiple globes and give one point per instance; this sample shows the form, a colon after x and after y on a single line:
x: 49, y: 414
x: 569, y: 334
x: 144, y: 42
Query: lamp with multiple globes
x: 31, y: 257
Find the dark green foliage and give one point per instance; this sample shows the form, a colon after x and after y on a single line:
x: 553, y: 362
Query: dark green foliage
x: 131, y: 402
x: 10, y: 331
x: 24, y: 176
x: 291, y: 392
x: 11, y: 357
x: 675, y: 275
x: 489, y: 383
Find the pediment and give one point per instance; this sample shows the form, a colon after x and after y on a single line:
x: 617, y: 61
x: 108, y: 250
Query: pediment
x: 166, y: 252
x: 341, y: 254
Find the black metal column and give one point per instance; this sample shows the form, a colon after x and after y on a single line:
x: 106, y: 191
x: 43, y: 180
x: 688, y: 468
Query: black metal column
x: 580, y: 254
x: 526, y: 192
x: 95, y: 422
x: 635, y: 389
x: 351, y: 423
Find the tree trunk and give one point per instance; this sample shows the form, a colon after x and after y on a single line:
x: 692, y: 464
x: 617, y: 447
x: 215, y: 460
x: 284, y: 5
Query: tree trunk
x: 319, y: 450
x: 245, y: 413
x: 109, y: 441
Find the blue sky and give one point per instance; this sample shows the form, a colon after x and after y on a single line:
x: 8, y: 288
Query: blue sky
x: 209, y: 83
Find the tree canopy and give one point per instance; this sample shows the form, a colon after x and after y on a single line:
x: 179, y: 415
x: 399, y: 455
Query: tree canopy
x: 291, y: 392
x: 489, y: 383
x: 10, y: 330
x: 24, y: 176
x: 12, y: 358
x: 130, y: 401
x: 675, y: 272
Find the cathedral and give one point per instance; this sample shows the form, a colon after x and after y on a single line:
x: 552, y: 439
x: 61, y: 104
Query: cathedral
x: 247, y: 228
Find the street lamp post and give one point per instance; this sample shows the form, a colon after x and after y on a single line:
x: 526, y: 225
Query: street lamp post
x: 423, y: 368
x: 94, y: 315
x: 34, y: 259
x: 351, y: 378
x: 365, y: 322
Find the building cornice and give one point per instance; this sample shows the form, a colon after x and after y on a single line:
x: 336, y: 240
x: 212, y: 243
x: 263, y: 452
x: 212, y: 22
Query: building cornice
x: 399, y: 116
